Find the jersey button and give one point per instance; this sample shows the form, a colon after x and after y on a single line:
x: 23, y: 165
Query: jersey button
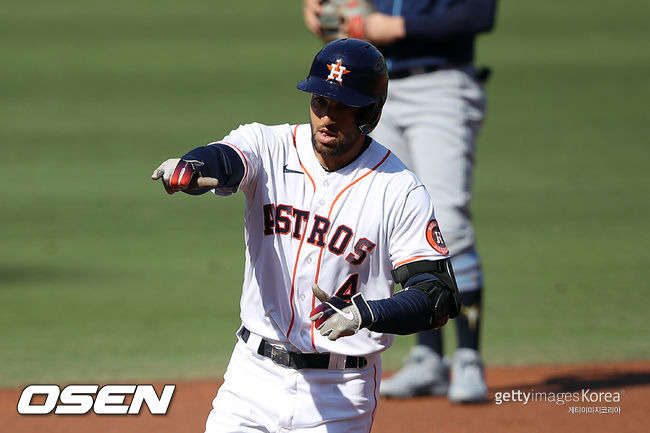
x: 322, y: 202
x: 302, y: 297
x: 308, y: 259
x: 326, y: 183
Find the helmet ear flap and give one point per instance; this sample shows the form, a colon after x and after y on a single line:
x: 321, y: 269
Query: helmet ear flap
x: 368, y: 117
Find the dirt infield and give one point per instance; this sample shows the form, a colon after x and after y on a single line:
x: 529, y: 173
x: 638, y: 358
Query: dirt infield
x: 591, y: 385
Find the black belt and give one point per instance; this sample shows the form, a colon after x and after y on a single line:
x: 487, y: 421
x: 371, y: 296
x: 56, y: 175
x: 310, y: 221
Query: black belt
x: 403, y: 73
x: 299, y: 361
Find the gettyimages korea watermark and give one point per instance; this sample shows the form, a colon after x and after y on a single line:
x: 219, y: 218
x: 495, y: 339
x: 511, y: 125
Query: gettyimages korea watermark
x: 585, y: 401
x: 123, y: 399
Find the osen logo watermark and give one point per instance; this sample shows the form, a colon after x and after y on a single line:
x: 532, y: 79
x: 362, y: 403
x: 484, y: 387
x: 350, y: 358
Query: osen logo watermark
x: 81, y: 399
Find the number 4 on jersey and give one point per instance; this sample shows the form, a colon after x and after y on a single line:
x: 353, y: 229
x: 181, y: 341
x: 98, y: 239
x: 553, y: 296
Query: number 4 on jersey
x: 349, y: 288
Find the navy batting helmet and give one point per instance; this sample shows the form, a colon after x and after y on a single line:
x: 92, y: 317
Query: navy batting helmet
x: 353, y: 72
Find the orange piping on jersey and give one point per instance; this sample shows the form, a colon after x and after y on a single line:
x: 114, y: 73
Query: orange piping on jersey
x: 295, y: 132
x: 293, y: 281
x: 308, y: 175
x: 304, y: 232
x: 374, y: 409
x: 320, y: 256
x: 241, y: 153
x: 412, y: 259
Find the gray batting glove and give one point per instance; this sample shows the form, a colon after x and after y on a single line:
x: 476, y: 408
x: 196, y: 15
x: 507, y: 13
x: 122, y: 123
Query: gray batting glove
x: 180, y: 175
x: 336, y: 317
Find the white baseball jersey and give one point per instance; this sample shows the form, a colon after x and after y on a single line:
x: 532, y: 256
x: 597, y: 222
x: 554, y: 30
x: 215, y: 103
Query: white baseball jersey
x: 344, y: 230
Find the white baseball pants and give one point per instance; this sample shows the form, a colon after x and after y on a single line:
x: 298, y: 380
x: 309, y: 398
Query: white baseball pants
x: 260, y: 396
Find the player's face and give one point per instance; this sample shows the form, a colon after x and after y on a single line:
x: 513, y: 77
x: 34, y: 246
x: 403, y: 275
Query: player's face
x: 335, y: 135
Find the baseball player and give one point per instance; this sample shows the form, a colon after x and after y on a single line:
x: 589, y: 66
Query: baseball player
x: 333, y: 220
x: 433, y: 114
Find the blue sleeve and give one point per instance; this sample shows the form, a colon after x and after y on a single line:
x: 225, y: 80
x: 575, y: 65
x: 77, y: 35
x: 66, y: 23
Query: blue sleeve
x: 467, y: 17
x: 407, y: 312
x: 219, y: 161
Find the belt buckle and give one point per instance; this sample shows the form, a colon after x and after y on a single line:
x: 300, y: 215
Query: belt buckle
x: 280, y: 356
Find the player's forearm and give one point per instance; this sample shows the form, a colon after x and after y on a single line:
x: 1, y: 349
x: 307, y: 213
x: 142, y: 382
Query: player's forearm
x: 468, y: 17
x: 407, y: 312
x: 382, y: 29
x: 426, y: 303
x: 220, y: 161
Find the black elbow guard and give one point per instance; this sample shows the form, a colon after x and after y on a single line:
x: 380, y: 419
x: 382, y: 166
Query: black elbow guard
x: 442, y: 290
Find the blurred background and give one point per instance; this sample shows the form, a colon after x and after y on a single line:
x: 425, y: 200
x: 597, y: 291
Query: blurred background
x: 105, y: 277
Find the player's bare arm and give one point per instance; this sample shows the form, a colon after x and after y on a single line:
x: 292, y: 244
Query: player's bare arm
x: 382, y: 29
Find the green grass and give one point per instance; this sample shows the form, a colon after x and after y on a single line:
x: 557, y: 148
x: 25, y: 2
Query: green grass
x: 103, y: 277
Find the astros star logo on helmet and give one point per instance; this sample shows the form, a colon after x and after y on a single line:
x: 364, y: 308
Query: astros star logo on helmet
x: 337, y: 71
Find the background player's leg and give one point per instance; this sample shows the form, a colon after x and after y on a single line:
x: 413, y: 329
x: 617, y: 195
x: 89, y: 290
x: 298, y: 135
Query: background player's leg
x: 469, y: 276
x: 423, y: 372
x: 456, y: 121
x: 441, y: 135
x: 468, y: 382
